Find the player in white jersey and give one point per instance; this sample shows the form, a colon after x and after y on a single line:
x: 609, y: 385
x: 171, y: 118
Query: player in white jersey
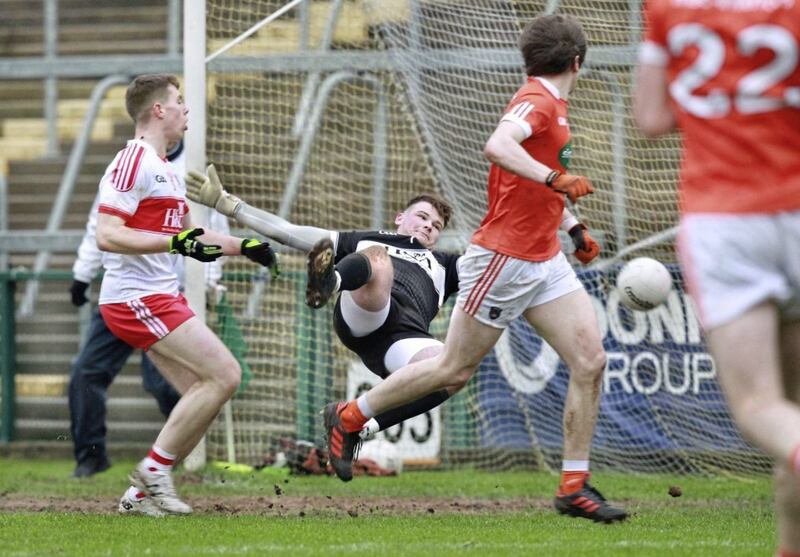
x: 144, y: 225
x: 102, y: 356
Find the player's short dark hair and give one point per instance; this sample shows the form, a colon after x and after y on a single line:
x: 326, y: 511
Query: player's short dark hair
x: 438, y: 202
x: 549, y: 44
x: 144, y: 90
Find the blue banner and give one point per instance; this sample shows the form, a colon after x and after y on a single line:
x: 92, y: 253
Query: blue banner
x: 659, y: 389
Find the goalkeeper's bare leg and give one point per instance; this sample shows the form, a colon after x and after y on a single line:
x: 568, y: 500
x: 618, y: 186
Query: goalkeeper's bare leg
x: 758, y: 364
x: 191, y: 350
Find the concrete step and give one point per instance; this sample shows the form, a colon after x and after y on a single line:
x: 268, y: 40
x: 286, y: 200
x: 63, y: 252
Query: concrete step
x: 120, y: 409
x: 118, y: 431
x: 116, y: 30
x: 41, y: 203
x: 11, y: 90
x: 45, y: 363
x: 98, y: 47
x: 32, y: 220
x: 47, y: 183
x: 63, y: 449
x: 56, y: 165
x: 21, y: 107
x: 45, y: 324
x: 56, y: 261
x: 68, y: 128
x: 53, y: 342
x: 131, y: 371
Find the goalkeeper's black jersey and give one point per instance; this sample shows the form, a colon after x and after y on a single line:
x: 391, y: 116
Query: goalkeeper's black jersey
x: 423, y: 279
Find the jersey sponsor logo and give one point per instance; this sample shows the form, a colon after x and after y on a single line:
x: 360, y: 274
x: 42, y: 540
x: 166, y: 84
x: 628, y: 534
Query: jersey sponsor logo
x: 173, y: 218
x: 162, y: 215
x: 422, y: 258
x: 160, y: 179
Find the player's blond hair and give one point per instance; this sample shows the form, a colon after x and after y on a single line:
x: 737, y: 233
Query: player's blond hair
x: 146, y: 89
x: 549, y: 44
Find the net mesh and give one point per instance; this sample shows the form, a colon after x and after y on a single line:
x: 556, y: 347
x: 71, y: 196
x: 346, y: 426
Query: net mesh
x: 415, y: 116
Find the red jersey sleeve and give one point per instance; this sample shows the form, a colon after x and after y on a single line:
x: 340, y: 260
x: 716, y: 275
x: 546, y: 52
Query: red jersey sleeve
x: 653, y: 49
x: 531, y: 112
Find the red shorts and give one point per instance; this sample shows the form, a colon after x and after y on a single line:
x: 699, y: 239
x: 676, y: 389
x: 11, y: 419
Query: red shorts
x: 144, y: 321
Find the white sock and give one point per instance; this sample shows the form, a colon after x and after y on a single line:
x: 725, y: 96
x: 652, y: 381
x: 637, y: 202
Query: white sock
x: 575, y: 465
x: 363, y: 405
x: 370, y: 429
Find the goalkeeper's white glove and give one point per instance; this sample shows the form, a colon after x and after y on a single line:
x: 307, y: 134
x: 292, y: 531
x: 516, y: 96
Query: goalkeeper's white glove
x: 206, y: 189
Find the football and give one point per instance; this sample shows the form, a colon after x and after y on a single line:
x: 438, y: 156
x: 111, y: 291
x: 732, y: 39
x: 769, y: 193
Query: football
x: 643, y: 284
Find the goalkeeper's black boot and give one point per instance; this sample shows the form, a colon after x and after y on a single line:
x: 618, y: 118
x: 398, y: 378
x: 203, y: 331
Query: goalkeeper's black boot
x: 342, y: 445
x: 588, y: 503
x: 321, y: 275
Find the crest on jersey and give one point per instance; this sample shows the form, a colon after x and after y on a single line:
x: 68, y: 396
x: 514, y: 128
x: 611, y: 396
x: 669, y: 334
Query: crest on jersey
x: 565, y: 155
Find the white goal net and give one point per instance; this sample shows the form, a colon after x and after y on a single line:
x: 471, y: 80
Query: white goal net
x: 337, y: 126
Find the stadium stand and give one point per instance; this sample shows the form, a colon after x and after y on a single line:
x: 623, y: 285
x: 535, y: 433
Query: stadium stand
x: 48, y: 339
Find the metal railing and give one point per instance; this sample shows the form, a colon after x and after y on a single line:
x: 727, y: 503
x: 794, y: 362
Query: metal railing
x: 65, y: 189
x: 8, y: 348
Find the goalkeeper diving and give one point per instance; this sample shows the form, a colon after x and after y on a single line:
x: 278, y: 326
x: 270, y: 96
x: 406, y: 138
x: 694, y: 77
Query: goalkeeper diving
x: 390, y: 284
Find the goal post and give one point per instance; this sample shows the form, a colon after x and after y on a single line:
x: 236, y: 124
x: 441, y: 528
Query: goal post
x: 194, y: 91
x: 407, y: 93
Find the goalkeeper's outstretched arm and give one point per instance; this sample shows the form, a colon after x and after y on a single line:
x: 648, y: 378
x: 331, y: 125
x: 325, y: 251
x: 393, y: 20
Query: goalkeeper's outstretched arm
x: 206, y: 189
x: 280, y: 230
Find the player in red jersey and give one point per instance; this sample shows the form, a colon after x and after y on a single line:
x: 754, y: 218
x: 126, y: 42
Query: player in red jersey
x: 726, y: 74
x: 514, y: 267
x: 143, y: 226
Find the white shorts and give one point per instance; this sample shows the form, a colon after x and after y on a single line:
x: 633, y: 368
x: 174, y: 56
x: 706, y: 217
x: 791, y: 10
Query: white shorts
x: 732, y: 263
x: 496, y: 289
x: 401, y: 352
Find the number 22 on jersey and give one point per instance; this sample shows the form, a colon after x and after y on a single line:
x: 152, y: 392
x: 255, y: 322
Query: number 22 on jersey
x: 753, y: 92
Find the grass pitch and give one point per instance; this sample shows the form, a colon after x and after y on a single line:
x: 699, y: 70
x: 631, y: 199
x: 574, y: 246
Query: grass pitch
x: 45, y: 512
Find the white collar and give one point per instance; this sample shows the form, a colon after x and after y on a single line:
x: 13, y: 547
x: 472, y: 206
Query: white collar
x: 549, y: 86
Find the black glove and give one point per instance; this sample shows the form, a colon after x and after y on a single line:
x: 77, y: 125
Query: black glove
x: 185, y: 244
x: 261, y: 253
x: 78, y: 292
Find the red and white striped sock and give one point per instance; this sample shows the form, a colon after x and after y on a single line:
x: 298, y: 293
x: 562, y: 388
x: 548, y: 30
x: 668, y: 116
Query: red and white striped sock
x: 159, y: 459
x: 135, y: 494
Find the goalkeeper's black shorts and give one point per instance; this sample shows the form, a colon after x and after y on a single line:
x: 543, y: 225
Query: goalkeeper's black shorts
x: 404, y: 321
